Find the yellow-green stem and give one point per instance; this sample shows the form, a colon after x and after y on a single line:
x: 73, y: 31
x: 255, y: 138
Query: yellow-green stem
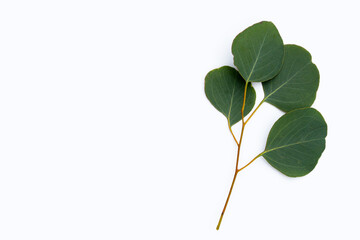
x: 237, y: 170
x: 237, y: 158
x: 255, y: 110
x: 232, y: 132
x: 257, y: 156
x: 227, y: 200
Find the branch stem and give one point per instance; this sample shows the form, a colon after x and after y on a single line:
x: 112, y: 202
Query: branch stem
x: 243, y: 124
x: 231, y: 188
x: 237, y: 157
x: 227, y: 200
x: 237, y: 170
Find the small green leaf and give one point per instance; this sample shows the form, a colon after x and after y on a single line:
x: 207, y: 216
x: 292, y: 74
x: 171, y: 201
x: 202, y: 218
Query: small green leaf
x: 224, y: 87
x: 296, y: 84
x: 296, y: 142
x: 258, y: 52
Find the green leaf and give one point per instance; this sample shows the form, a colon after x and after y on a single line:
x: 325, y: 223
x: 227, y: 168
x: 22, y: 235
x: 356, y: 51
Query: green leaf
x: 296, y: 84
x: 224, y: 87
x: 258, y: 52
x: 296, y: 142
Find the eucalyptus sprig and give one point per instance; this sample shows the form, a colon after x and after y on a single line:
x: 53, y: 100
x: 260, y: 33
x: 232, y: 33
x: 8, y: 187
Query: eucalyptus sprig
x: 290, y: 81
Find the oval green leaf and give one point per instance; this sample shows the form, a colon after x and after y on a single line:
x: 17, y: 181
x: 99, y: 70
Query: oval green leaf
x: 224, y: 87
x: 296, y: 84
x: 296, y: 142
x: 258, y: 52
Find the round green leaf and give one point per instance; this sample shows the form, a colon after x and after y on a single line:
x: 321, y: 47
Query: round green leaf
x: 258, y: 52
x: 224, y: 87
x: 296, y: 84
x: 296, y: 142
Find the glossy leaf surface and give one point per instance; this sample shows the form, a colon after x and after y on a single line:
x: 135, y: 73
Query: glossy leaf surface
x: 224, y: 87
x: 296, y: 142
x: 258, y: 52
x: 296, y: 84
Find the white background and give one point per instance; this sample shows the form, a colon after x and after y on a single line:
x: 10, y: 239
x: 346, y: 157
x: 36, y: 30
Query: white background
x: 106, y: 133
